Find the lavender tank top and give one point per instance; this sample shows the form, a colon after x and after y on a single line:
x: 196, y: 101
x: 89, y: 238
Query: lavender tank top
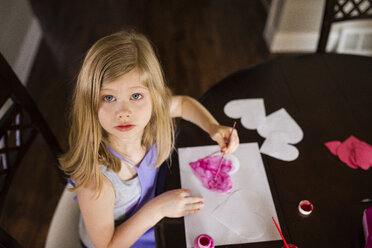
x: 147, y: 174
x: 130, y: 196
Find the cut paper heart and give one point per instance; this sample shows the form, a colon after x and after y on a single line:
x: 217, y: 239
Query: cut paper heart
x: 353, y: 152
x: 276, y: 146
x: 281, y: 122
x: 251, y: 111
x: 228, y: 213
x: 206, y: 168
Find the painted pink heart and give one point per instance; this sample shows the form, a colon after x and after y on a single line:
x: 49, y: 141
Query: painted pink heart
x: 206, y: 168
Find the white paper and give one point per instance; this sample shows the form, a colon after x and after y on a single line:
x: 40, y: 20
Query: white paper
x: 250, y: 179
x: 251, y: 224
x: 277, y: 147
x: 251, y: 111
x: 281, y: 132
x: 281, y: 122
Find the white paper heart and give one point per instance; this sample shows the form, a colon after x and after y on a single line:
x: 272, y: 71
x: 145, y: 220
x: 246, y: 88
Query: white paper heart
x: 276, y: 146
x: 228, y: 214
x: 281, y: 122
x: 251, y: 111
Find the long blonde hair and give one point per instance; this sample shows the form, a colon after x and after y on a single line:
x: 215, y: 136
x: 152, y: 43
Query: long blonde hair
x: 108, y: 59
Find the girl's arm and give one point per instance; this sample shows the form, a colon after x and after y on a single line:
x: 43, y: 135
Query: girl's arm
x: 191, y: 110
x: 98, y: 214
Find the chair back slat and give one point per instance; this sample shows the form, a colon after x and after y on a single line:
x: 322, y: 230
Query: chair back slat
x: 336, y: 11
x: 20, y: 123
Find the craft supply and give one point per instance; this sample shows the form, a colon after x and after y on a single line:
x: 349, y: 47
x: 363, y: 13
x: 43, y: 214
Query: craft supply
x: 277, y: 227
x: 251, y: 112
x: 228, y: 141
x: 204, y: 169
x: 290, y: 246
x: 250, y: 225
x: 250, y: 178
x: 203, y: 241
x: 353, y: 152
x: 305, y: 207
x: 367, y: 200
x: 367, y: 226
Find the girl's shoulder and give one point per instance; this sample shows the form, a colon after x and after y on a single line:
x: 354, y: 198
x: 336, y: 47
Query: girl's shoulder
x: 92, y: 190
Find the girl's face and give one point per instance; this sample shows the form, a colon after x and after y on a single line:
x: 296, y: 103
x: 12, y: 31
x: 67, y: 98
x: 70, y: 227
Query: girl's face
x: 125, y: 107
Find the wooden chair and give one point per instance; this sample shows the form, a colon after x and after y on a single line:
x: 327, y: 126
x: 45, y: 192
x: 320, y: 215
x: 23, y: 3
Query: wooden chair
x: 339, y: 11
x: 20, y: 122
x: 64, y: 227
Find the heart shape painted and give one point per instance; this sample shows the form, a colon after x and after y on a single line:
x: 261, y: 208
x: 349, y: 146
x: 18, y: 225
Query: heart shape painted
x: 205, y: 170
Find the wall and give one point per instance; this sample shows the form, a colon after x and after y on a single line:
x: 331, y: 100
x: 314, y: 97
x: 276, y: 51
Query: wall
x: 20, y: 36
x: 294, y: 26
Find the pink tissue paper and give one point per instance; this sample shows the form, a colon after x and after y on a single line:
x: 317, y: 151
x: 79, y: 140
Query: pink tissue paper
x: 353, y: 152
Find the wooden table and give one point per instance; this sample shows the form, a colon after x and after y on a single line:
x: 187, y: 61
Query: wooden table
x: 330, y: 97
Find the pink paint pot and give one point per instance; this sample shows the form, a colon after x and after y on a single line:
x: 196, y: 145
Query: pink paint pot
x: 203, y: 241
x: 305, y: 207
x: 290, y: 246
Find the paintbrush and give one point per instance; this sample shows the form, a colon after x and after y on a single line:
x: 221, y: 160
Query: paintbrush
x: 277, y: 227
x: 367, y: 200
x: 223, y: 154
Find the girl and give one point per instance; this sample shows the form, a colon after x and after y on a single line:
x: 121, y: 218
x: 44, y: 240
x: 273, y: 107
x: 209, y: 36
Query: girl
x: 121, y: 133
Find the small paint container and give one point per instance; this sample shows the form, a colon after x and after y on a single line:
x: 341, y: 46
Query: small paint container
x: 203, y: 241
x: 290, y: 246
x: 305, y: 207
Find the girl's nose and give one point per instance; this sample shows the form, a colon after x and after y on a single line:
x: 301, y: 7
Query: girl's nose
x: 124, y: 111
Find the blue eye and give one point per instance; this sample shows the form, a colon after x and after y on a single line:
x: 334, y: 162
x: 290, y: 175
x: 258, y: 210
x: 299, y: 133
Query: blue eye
x: 108, y: 98
x: 136, y: 96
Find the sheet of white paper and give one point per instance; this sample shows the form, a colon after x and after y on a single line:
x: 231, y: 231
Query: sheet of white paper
x: 275, y: 146
x: 281, y: 122
x: 251, y: 225
x: 250, y: 179
x: 251, y: 111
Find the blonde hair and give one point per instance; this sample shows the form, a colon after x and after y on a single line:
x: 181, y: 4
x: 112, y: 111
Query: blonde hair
x: 108, y: 59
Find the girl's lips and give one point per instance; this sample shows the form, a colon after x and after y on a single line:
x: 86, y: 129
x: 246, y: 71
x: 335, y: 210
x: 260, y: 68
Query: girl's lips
x: 124, y: 128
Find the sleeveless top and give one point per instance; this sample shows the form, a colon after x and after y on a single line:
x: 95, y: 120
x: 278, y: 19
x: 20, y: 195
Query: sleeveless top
x: 130, y: 196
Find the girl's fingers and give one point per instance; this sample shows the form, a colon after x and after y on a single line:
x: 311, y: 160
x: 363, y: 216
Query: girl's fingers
x: 190, y: 212
x: 222, y: 144
x: 193, y: 199
x: 183, y: 192
x: 194, y: 206
x: 221, y: 135
x: 233, y: 144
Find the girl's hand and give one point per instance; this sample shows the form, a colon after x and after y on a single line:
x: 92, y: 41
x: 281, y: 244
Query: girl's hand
x: 178, y: 203
x: 221, y: 134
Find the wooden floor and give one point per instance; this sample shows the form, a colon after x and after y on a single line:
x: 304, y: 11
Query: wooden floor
x: 199, y: 42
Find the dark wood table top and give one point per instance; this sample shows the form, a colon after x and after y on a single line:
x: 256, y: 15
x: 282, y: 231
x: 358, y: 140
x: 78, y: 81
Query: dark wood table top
x: 330, y: 97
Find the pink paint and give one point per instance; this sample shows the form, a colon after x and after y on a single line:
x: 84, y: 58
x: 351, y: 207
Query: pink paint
x: 203, y: 241
x: 305, y: 207
x: 205, y: 170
